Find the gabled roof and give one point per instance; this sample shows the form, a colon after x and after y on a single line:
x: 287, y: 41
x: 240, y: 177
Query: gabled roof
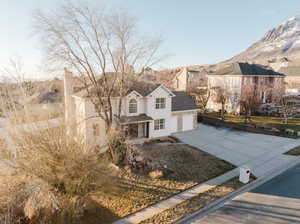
x: 142, y: 87
x: 239, y: 68
x: 182, y: 101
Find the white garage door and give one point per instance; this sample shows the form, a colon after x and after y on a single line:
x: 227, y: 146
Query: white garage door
x: 188, y: 122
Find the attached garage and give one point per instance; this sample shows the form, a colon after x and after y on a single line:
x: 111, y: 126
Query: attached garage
x: 183, y: 121
x: 188, y: 121
x: 184, y: 112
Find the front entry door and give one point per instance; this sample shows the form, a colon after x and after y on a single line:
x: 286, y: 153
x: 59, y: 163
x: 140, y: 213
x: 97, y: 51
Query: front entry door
x: 133, y: 130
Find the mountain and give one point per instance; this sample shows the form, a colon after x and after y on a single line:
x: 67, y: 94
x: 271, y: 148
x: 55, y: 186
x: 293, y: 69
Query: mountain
x: 281, y: 41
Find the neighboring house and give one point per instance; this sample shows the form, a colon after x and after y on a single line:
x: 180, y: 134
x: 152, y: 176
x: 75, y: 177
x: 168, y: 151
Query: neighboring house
x: 189, y: 78
x: 237, y: 79
x: 148, y: 110
x: 292, y: 77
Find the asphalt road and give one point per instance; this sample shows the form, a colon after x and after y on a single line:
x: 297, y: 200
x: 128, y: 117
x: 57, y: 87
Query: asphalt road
x: 275, y: 202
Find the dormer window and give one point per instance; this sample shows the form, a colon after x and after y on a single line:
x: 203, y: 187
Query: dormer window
x: 132, y: 106
x: 160, y: 103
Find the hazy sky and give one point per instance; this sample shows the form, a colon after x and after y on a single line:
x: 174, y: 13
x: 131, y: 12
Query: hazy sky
x: 194, y: 31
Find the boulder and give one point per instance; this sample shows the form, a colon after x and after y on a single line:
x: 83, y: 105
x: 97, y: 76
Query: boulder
x: 156, y: 174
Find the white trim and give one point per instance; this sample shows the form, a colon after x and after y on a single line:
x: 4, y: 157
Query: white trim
x: 165, y: 88
x: 137, y: 122
x: 184, y: 111
x: 133, y: 91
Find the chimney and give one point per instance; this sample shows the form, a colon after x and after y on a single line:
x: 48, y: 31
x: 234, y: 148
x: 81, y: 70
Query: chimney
x: 69, y: 101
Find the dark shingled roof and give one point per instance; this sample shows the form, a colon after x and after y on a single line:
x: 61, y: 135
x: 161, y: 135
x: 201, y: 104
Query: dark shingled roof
x: 182, y: 101
x: 135, y: 119
x: 245, y: 69
x: 142, y: 87
x: 290, y: 71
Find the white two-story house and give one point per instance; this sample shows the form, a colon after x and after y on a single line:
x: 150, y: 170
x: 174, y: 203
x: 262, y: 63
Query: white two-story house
x: 149, y: 110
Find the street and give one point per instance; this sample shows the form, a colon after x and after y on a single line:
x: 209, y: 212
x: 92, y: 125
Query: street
x: 275, y: 202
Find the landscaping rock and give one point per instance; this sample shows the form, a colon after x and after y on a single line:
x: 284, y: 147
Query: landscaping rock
x: 156, y: 174
x: 139, y: 158
x: 275, y: 130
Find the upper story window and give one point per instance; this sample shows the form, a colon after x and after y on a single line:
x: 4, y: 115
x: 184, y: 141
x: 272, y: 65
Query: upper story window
x: 132, y: 106
x: 160, y: 103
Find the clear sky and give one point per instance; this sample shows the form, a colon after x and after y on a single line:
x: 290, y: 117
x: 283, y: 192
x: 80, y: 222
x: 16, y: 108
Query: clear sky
x: 194, y: 31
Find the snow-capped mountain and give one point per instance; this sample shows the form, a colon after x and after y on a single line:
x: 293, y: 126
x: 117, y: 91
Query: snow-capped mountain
x: 281, y: 41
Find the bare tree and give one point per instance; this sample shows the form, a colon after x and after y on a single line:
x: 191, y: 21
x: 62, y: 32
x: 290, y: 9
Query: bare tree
x: 201, y: 96
x: 95, y: 43
x: 16, y: 88
x: 222, y: 96
x: 249, y: 98
x: 285, y: 102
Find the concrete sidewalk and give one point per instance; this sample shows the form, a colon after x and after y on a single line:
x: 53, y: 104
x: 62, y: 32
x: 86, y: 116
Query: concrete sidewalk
x: 177, y: 199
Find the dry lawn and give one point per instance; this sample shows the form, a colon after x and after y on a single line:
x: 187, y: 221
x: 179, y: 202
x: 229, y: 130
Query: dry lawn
x: 189, y: 167
x: 276, y: 122
x: 190, y: 206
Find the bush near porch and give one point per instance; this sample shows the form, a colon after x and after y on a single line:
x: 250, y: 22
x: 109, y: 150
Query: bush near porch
x: 272, y: 122
x: 188, y: 167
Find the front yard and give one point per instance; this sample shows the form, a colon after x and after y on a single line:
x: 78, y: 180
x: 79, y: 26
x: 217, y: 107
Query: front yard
x: 276, y: 122
x: 196, y: 203
x: 188, y: 167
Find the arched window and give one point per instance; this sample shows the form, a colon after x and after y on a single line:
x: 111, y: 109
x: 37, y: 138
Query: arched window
x: 132, y: 106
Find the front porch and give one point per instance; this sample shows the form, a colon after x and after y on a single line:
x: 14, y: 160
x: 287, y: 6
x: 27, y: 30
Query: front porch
x: 136, y: 127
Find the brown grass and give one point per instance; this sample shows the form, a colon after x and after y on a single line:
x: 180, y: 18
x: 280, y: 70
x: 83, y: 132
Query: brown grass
x: 189, y: 167
x: 200, y: 201
x: 276, y: 122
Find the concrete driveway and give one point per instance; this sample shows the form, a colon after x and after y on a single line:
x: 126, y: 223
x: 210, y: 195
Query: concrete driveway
x: 260, y: 152
x: 275, y: 202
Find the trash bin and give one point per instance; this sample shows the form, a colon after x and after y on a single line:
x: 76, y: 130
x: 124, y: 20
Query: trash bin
x: 244, y: 174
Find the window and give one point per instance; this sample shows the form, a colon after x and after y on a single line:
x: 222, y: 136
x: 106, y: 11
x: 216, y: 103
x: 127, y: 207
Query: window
x: 159, y: 124
x: 96, y: 129
x: 132, y: 106
x: 160, y: 103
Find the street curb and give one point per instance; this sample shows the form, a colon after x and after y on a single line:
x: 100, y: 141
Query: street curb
x: 220, y: 202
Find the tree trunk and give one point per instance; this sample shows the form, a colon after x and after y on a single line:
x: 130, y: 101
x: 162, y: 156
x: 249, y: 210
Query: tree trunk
x: 285, y: 117
x: 222, y: 112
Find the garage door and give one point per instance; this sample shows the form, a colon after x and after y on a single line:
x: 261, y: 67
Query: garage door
x: 179, y: 123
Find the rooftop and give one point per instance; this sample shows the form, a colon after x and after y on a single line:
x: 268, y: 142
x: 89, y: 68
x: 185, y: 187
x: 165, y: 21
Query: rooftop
x: 239, y: 68
x: 183, y: 101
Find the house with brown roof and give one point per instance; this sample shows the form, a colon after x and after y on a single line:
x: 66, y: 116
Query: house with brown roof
x: 241, y: 80
x: 149, y: 110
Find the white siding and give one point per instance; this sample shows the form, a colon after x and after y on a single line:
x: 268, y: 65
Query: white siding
x: 159, y: 113
x: 174, y: 123
x: 187, y: 121
x: 233, y: 86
